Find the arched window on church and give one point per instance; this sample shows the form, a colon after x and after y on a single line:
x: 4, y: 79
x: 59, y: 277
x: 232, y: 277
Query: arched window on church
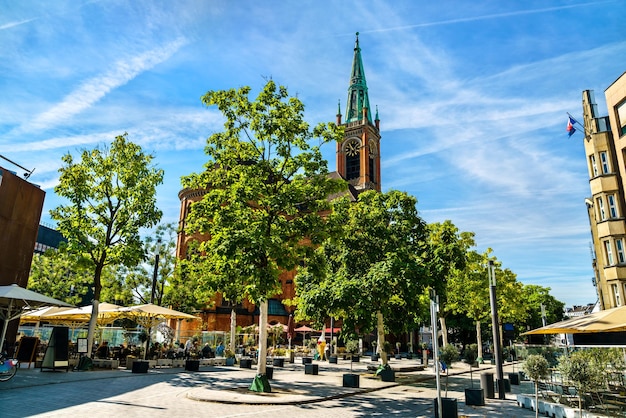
x: 372, y: 162
x: 353, y: 160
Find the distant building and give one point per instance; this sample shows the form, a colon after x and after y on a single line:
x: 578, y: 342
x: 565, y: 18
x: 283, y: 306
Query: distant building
x: 580, y: 310
x: 605, y: 148
x: 48, y: 238
x: 358, y: 162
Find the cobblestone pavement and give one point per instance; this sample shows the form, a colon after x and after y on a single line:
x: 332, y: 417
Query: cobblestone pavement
x: 221, y: 392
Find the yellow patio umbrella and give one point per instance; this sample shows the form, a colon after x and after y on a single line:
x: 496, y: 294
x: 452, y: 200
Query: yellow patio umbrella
x: 609, y: 320
x: 107, y: 313
x: 41, y: 313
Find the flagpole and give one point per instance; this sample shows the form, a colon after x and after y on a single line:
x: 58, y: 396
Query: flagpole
x: 576, y: 121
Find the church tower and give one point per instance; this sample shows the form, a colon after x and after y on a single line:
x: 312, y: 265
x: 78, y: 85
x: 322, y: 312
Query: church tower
x: 358, y: 154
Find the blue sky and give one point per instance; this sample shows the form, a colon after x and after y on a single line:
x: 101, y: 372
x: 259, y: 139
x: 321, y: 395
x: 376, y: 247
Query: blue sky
x: 472, y: 97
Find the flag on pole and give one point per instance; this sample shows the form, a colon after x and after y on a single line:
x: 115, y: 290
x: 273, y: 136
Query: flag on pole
x: 570, y: 125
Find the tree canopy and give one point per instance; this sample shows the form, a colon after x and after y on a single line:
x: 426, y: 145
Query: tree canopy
x: 111, y: 194
x: 265, y: 186
x: 374, y: 266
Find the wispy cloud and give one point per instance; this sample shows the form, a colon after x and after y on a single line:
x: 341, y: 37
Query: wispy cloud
x: 488, y: 17
x: 10, y: 25
x: 94, y: 89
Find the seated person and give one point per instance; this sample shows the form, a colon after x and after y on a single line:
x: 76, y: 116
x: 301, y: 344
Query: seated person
x: 103, y: 350
x: 206, y: 351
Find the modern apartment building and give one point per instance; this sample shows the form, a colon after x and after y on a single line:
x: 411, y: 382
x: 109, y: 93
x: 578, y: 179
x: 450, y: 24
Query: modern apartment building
x: 605, y: 149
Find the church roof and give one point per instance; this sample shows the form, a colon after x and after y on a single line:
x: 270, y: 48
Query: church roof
x: 357, y: 92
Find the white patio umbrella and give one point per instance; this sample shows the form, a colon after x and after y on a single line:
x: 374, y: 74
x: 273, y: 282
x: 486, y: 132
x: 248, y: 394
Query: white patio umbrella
x: 15, y: 300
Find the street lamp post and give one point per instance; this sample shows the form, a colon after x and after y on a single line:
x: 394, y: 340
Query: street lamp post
x: 156, y: 270
x: 497, y: 350
x: 154, y: 283
x: 434, y: 309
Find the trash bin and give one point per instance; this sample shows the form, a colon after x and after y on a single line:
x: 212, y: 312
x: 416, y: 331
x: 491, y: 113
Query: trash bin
x: 486, y: 383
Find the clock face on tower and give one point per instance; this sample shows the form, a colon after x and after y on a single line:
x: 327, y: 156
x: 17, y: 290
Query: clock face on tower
x: 352, y: 148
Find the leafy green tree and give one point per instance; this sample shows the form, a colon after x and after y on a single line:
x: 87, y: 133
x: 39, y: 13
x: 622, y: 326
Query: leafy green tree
x: 371, y: 272
x: 448, y: 249
x: 534, y: 296
x: 111, y: 194
x: 468, y: 293
x: 60, y: 275
x: 266, y: 186
x: 138, y: 280
x: 583, y: 371
x: 536, y: 367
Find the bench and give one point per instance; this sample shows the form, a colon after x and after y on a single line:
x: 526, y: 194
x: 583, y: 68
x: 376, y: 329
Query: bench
x: 105, y: 363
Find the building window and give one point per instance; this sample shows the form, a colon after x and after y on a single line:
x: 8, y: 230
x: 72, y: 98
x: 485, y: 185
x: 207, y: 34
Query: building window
x: 609, y: 253
x: 605, y: 163
x: 601, y: 212
x: 618, y: 301
x: 612, y: 206
x: 621, y: 117
x: 594, y: 166
x: 619, y: 247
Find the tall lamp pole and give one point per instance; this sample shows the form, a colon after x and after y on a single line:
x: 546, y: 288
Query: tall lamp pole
x: 495, y: 325
x: 434, y: 309
x: 156, y: 269
x: 154, y: 283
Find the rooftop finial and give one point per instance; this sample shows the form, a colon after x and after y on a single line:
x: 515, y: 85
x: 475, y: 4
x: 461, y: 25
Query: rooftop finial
x: 356, y: 45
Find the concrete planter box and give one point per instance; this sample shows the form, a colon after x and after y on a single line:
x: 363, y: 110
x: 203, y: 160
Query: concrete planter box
x: 245, y: 363
x: 307, y: 360
x: 475, y: 397
x: 351, y: 380
x: 278, y: 362
x: 192, y: 365
x: 230, y: 361
x: 140, y: 366
x: 387, y: 375
x: 449, y: 408
x: 333, y: 359
x: 311, y: 369
x: 356, y: 359
x: 514, y: 378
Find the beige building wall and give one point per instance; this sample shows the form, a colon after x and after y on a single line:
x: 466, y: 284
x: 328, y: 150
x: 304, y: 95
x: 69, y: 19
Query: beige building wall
x: 605, y: 149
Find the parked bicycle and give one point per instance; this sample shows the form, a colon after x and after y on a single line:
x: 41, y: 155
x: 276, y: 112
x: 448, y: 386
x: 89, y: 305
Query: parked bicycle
x: 8, y: 367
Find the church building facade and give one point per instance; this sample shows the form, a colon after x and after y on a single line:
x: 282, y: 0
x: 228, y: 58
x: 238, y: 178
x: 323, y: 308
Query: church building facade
x: 357, y: 161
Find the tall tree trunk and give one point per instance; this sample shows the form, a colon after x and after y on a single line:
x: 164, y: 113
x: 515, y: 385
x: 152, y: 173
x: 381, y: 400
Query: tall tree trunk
x: 233, y: 328
x: 262, y: 337
x: 381, y: 337
x: 92, y: 326
x: 93, y: 321
x: 479, y: 341
x: 444, y: 331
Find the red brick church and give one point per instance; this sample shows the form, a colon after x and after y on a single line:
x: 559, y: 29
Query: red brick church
x: 358, y: 162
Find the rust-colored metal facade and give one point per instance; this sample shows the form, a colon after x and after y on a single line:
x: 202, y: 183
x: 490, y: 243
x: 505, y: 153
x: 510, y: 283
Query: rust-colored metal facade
x: 21, y: 204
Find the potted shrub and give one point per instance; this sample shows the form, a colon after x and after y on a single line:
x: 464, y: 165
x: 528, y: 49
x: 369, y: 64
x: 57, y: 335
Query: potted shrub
x: 386, y: 373
x: 352, y: 347
x: 230, y: 357
x: 536, y: 367
x: 583, y: 371
x: 278, y: 359
x: 449, y: 354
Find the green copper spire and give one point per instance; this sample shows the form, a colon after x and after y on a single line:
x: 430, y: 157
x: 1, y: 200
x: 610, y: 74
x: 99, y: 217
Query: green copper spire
x: 357, y: 92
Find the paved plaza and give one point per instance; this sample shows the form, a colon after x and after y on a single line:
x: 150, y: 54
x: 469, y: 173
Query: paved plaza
x: 222, y: 392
